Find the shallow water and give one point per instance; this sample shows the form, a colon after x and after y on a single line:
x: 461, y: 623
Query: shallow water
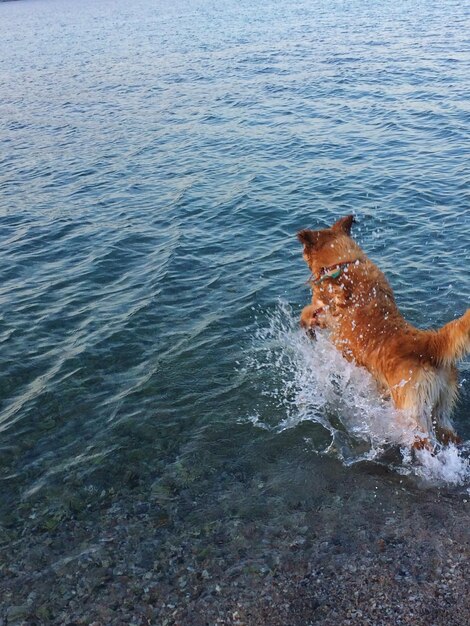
x: 156, y: 163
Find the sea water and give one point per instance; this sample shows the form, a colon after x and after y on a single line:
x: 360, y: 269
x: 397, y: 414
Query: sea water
x: 156, y: 162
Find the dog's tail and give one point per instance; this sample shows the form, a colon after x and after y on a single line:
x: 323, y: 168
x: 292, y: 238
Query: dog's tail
x: 452, y: 341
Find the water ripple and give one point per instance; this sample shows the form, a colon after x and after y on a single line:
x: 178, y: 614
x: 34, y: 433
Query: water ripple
x: 152, y: 180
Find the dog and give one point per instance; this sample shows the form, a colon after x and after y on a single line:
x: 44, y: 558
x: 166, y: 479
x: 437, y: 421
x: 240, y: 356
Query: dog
x: 354, y: 301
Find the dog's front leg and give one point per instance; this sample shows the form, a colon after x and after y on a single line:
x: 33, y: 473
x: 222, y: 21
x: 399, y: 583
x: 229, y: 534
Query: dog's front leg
x: 311, y: 317
x: 308, y: 316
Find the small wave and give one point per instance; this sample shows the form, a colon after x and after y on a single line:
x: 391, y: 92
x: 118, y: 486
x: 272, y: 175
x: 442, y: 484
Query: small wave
x: 311, y: 381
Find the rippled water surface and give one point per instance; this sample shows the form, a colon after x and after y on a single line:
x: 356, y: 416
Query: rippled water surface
x: 157, y: 159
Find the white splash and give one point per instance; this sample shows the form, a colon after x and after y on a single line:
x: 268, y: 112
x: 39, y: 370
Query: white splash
x: 449, y: 465
x: 311, y: 381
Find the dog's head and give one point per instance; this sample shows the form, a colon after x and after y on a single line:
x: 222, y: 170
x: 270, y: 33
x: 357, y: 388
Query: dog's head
x: 328, y: 246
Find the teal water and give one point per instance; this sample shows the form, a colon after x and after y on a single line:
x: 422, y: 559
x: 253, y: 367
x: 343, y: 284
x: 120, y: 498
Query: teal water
x: 156, y: 162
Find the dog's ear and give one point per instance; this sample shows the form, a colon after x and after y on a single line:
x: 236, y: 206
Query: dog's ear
x: 344, y: 224
x: 308, y: 237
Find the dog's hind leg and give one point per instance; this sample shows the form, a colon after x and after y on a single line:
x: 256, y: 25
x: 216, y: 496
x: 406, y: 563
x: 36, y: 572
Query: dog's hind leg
x: 442, y: 409
x: 425, y: 404
x: 412, y: 416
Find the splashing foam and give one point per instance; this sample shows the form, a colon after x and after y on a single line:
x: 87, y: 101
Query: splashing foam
x: 313, y: 382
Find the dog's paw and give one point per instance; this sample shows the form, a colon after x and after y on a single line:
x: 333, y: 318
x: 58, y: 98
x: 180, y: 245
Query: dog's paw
x: 447, y: 436
x: 311, y: 334
x: 311, y: 317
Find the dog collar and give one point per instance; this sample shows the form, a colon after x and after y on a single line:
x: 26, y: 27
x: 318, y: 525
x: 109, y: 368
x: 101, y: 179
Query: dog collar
x: 332, y: 271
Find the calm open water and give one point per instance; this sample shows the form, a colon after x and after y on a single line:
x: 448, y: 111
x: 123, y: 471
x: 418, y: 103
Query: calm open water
x: 156, y: 161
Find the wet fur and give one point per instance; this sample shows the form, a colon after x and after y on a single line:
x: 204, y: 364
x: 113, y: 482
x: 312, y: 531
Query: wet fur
x: 416, y: 367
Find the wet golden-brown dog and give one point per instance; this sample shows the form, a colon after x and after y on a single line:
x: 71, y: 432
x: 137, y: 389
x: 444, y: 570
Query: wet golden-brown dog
x: 353, y: 299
